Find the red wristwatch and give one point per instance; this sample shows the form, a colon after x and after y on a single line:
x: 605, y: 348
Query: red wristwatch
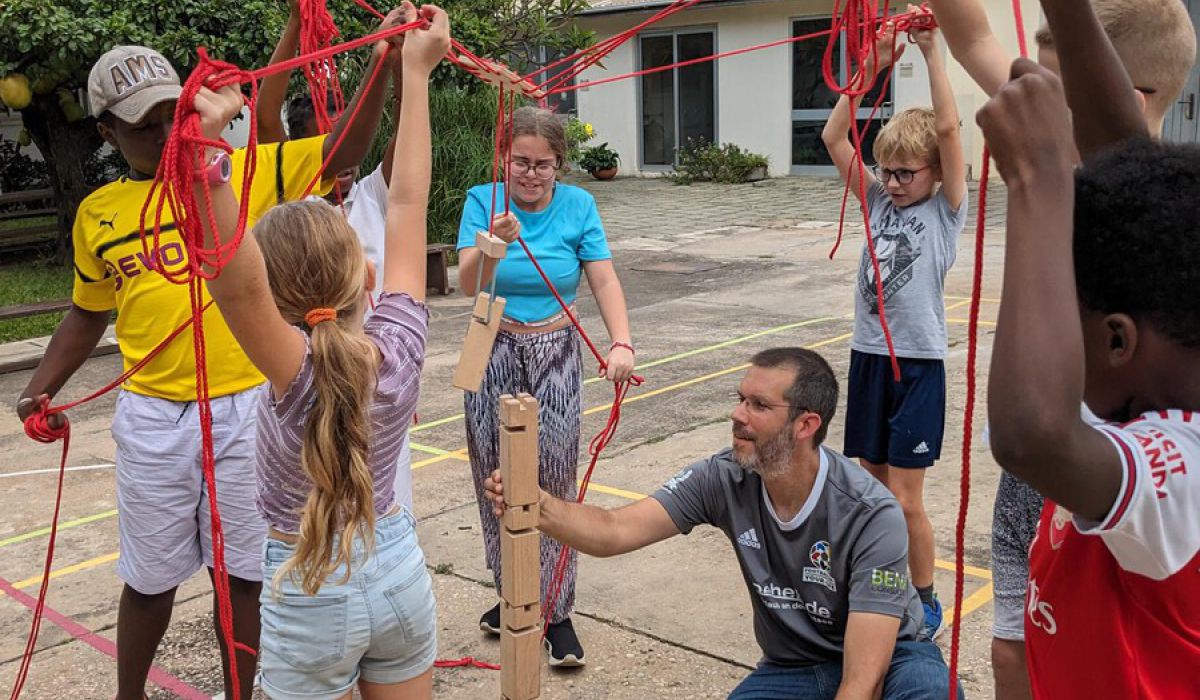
x: 218, y: 171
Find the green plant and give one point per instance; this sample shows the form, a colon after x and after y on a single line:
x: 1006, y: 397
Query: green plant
x: 701, y: 161
x: 578, y: 133
x: 599, y: 158
x: 18, y: 171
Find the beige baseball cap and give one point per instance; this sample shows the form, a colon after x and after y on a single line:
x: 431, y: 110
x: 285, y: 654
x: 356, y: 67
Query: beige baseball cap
x: 129, y: 80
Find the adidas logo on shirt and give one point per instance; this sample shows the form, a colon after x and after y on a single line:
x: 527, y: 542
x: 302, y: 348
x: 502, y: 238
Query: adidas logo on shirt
x: 749, y: 538
x: 921, y: 449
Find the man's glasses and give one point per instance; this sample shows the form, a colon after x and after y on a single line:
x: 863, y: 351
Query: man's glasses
x: 544, y: 171
x: 903, y: 175
x: 757, y: 405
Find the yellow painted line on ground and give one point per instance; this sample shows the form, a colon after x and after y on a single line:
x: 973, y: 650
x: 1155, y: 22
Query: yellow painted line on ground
x: 957, y: 304
x: 972, y: 603
x: 668, y: 359
x: 41, y: 532
x: 427, y: 449
x: 460, y: 455
x: 983, y: 299
x: 972, y: 570
x: 629, y: 495
x: 66, y: 570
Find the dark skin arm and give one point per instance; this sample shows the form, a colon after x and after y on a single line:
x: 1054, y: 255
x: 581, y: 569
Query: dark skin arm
x: 360, y: 136
x: 73, y: 342
x: 273, y: 89
x: 397, y: 102
x: 1105, y: 107
x: 1037, y: 433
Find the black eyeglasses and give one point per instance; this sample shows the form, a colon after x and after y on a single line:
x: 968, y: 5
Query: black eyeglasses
x: 757, y: 405
x: 903, y: 175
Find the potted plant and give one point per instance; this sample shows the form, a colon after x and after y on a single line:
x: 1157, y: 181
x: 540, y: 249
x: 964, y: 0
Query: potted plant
x: 600, y: 161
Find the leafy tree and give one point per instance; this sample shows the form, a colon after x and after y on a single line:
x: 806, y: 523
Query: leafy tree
x: 53, y: 44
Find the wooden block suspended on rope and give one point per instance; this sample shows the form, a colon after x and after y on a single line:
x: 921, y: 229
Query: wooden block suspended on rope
x: 519, y: 450
x: 520, y: 567
x: 501, y: 76
x: 520, y: 664
x: 477, y: 346
x: 517, y: 518
x: 519, y: 617
x: 490, y: 245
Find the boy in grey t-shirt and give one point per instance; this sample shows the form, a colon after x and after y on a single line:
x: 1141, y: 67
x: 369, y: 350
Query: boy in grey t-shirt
x: 821, y: 544
x: 894, y: 424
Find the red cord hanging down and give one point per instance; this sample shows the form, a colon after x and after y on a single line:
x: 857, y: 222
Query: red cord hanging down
x: 317, y: 32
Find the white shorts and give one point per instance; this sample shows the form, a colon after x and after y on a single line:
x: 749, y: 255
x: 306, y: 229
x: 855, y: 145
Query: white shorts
x: 162, y: 500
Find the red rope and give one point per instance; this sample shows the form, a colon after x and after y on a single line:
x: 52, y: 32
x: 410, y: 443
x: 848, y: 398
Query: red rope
x: 466, y: 661
x: 317, y: 32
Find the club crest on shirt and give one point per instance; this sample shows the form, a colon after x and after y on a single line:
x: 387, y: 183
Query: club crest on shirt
x: 819, y: 554
x: 1060, y: 524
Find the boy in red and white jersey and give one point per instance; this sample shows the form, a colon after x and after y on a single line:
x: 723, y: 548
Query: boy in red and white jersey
x: 1100, y: 306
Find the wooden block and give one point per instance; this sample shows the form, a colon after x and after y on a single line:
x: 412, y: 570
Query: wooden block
x: 518, y: 618
x: 519, y: 466
x: 519, y: 411
x: 523, y: 517
x: 477, y: 346
x: 521, y: 664
x: 490, y: 245
x: 520, y: 567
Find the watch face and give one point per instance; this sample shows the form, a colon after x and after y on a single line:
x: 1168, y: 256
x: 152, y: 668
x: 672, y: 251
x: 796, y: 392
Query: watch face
x: 226, y: 166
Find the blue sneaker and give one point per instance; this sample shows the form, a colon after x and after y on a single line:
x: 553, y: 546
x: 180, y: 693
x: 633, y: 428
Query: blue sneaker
x: 935, y: 623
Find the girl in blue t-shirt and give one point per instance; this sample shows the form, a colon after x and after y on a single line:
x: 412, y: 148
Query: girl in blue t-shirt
x: 537, y: 350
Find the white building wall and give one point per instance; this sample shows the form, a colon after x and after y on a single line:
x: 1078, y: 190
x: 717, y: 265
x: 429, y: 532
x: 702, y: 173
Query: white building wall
x: 754, y: 89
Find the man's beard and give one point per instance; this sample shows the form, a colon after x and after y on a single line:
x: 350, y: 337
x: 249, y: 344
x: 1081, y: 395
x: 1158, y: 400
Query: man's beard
x: 771, y: 457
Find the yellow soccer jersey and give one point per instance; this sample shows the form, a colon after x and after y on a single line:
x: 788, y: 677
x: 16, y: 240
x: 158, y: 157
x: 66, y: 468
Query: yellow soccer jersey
x: 112, y: 271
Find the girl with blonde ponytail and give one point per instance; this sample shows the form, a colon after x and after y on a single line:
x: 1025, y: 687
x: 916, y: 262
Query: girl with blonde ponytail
x: 347, y: 599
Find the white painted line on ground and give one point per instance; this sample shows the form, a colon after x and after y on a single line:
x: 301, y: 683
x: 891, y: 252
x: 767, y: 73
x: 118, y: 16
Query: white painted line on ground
x: 34, y: 472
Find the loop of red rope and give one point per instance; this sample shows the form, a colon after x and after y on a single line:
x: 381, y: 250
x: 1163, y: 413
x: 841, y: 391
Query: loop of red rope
x: 317, y: 32
x: 465, y: 662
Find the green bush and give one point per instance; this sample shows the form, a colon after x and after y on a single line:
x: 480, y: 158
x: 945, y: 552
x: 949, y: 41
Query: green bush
x: 701, y: 161
x: 464, y: 124
x: 578, y: 133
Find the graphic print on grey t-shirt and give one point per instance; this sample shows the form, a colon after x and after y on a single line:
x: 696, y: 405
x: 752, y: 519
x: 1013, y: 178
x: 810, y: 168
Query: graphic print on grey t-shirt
x: 898, y: 242
x: 845, y: 551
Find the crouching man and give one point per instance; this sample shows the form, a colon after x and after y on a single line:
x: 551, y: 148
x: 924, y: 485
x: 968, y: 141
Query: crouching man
x: 822, y: 545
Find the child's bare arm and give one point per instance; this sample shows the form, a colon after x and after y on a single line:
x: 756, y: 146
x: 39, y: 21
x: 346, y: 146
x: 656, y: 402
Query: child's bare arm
x: 408, y: 193
x: 836, y: 134
x: 1104, y: 105
x: 273, y: 89
x: 964, y: 23
x: 1037, y: 376
x: 241, y: 291
x: 950, y: 150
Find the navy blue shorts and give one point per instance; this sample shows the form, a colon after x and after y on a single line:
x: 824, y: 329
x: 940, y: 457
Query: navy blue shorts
x: 897, y: 423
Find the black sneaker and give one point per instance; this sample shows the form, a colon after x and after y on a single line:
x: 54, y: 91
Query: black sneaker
x: 490, y: 622
x: 563, y: 645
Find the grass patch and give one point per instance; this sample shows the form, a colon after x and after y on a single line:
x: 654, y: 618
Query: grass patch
x: 13, y: 224
x: 27, y: 282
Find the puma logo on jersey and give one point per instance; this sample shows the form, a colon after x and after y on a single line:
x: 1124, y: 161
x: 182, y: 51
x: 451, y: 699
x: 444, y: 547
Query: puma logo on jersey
x: 749, y: 538
x: 921, y: 449
x: 109, y: 223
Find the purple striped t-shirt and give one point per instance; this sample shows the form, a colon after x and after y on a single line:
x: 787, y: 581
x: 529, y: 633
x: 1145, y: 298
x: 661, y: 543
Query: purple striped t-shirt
x: 397, y: 327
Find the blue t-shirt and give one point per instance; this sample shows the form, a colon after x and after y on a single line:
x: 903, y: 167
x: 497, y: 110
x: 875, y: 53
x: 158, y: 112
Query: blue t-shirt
x: 561, y: 236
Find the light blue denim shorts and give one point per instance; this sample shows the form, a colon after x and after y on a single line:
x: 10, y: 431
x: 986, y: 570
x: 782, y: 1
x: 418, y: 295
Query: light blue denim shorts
x: 379, y: 626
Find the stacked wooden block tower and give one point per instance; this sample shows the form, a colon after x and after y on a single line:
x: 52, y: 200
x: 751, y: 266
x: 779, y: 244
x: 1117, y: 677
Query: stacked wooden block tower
x: 520, y: 551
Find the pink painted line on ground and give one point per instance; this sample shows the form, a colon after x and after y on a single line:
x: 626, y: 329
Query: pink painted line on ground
x: 158, y: 676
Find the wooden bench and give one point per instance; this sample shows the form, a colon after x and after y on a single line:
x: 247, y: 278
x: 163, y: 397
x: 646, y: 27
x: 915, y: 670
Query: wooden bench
x: 34, y: 205
x: 437, y: 267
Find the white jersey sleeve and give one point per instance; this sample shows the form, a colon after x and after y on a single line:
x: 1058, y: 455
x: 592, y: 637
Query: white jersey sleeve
x: 367, y: 215
x: 1153, y: 528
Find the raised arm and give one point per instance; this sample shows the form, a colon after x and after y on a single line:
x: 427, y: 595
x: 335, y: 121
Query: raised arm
x: 408, y: 194
x: 273, y: 89
x: 372, y: 96
x: 950, y: 150
x: 389, y: 153
x: 595, y: 531
x: 1037, y: 432
x: 836, y: 134
x: 964, y: 23
x: 1105, y: 108
x: 242, y: 291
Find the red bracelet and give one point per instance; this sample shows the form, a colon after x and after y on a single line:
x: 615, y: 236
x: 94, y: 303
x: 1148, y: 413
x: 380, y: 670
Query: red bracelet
x: 627, y: 346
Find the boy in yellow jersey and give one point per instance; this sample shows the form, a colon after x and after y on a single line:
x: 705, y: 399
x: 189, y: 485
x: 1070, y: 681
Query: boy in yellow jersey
x: 163, y: 503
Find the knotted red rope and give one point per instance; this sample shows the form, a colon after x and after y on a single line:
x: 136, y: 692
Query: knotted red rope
x: 317, y: 32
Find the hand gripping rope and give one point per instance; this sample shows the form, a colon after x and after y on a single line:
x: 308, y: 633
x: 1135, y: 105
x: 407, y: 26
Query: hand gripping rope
x: 859, y: 20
